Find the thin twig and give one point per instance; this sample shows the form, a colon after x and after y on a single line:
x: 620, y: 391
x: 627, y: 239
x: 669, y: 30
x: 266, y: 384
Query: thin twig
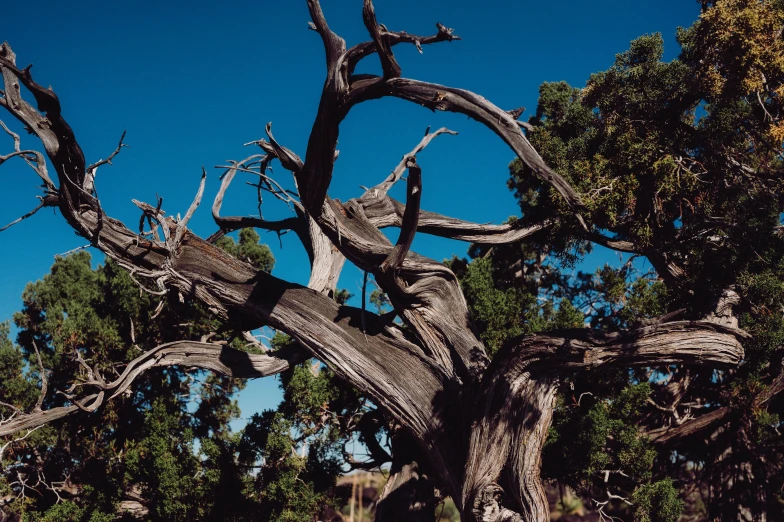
x: 181, y: 226
x: 64, y: 254
x: 17, y: 220
x: 108, y: 160
x: 44, y: 379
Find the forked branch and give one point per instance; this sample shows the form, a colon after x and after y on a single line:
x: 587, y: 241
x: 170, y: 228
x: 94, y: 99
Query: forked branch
x: 191, y: 354
x: 408, y: 227
x: 388, y: 63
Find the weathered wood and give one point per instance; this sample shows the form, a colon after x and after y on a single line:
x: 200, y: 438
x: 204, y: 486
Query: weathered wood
x: 515, y: 408
x: 191, y: 354
x: 477, y: 427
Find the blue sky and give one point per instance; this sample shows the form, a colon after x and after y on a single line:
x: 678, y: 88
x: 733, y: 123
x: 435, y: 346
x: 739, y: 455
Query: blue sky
x: 191, y: 82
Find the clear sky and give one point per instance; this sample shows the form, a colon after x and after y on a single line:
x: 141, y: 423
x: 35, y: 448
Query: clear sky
x: 192, y: 81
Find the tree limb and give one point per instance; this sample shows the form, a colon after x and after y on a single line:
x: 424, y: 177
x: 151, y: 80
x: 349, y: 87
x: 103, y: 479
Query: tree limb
x: 512, y: 419
x: 706, y: 424
x: 408, y: 226
x: 207, y: 356
x: 333, y: 44
x: 362, y: 50
x: 443, y: 98
x: 384, y: 51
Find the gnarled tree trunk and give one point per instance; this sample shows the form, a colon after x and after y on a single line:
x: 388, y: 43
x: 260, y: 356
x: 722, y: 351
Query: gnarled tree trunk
x: 471, y: 428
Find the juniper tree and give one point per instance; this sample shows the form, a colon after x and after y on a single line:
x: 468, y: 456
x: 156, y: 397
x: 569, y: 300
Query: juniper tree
x: 679, y: 161
x: 676, y: 162
x: 140, y: 456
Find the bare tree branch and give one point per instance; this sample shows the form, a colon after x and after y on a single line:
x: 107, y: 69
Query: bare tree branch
x: 512, y: 420
x: 92, y: 170
x: 32, y: 157
x: 442, y: 98
x: 108, y: 160
x: 362, y: 50
x: 41, y: 205
x: 615, y: 244
x: 333, y: 44
x: 388, y: 63
x: 207, y: 356
x: 383, y: 187
x: 228, y: 224
x: 44, y: 380
x: 384, y: 211
x: 55, y: 134
x: 706, y: 425
x: 408, y: 226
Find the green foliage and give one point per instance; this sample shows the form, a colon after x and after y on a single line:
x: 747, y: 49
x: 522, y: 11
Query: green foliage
x: 68, y: 511
x: 763, y: 293
x: 342, y: 296
x: 500, y: 314
x: 300, y: 444
x: 503, y: 310
x: 143, y: 441
x: 299, y: 448
x: 287, y: 494
x: 447, y: 512
x: 164, y: 462
x: 249, y: 249
x: 380, y: 300
x: 645, y: 299
x: 16, y: 387
x: 681, y: 160
x: 654, y: 146
x: 567, y: 316
x: 584, y: 441
x: 657, y: 502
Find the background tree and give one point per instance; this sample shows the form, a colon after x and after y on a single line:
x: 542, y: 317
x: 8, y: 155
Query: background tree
x: 140, y: 453
x: 468, y: 427
x: 165, y: 451
x: 680, y: 161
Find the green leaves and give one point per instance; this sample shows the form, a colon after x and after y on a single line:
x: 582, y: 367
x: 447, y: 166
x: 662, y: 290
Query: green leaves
x: 285, y: 482
x: 249, y: 249
x: 69, y: 511
x: 682, y: 160
x: 585, y: 441
x: 144, y: 441
x: 299, y: 447
x: 16, y: 388
x: 657, y: 502
x: 499, y: 314
x: 163, y: 461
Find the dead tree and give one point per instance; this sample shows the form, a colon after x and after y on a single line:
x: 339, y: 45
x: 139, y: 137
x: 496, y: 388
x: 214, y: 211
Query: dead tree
x: 471, y: 428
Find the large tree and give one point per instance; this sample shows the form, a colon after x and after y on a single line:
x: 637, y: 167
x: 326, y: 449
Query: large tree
x: 676, y: 162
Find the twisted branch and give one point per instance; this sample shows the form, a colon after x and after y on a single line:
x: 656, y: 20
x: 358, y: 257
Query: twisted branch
x: 193, y: 354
